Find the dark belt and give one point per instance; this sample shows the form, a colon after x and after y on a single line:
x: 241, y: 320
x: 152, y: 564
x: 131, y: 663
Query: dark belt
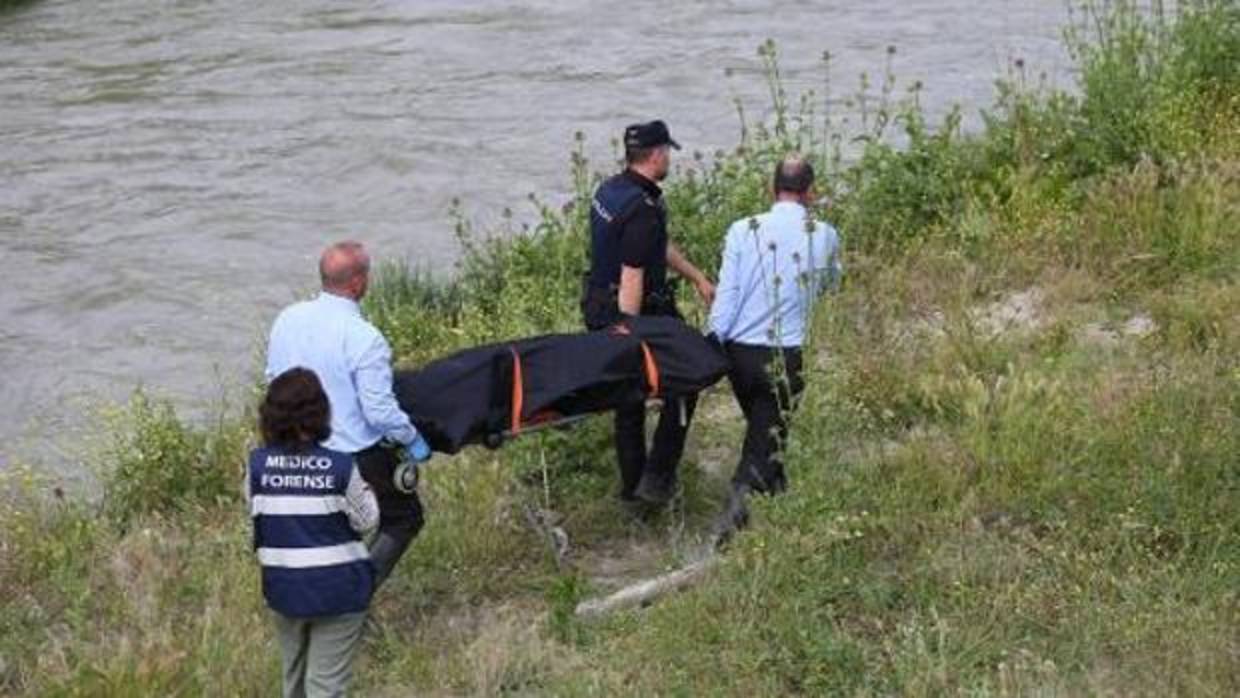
x: 600, y: 305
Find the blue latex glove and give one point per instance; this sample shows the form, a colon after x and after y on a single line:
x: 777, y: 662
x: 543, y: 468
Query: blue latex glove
x: 419, y: 451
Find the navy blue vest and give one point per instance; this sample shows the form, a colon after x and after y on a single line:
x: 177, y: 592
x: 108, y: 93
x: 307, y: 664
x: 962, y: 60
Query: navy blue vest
x: 616, y: 200
x: 314, y: 563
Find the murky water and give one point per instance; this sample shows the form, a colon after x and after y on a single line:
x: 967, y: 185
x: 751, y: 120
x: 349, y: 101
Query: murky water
x: 170, y: 170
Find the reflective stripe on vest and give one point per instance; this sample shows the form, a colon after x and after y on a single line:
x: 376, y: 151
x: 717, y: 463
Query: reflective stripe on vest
x: 292, y: 505
x: 323, y: 556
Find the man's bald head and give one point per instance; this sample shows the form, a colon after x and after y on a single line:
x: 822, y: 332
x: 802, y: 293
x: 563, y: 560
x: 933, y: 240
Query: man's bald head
x: 344, y: 269
x: 794, y: 177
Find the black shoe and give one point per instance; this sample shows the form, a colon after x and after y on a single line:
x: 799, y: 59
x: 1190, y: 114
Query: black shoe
x: 734, y: 517
x: 630, y: 504
x: 656, y: 488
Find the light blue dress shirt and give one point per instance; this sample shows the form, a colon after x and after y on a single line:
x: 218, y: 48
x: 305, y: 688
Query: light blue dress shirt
x: 353, y: 362
x: 775, y: 265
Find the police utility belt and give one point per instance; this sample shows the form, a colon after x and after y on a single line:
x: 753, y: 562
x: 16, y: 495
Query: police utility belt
x: 600, y: 305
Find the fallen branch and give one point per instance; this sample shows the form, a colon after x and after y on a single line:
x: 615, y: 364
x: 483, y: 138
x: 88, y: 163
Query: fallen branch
x: 645, y: 591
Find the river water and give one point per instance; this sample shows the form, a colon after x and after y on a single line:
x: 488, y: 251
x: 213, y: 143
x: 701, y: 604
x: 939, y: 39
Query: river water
x: 170, y: 170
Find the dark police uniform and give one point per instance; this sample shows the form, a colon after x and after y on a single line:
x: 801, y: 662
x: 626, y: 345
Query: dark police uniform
x: 628, y: 226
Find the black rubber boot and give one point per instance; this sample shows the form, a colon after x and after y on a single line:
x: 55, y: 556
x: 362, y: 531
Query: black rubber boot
x: 385, y: 551
x: 656, y: 488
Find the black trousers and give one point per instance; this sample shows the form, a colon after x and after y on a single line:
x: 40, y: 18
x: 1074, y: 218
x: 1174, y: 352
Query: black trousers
x: 767, y: 394
x: 400, y: 514
x: 599, y: 311
x: 666, y: 449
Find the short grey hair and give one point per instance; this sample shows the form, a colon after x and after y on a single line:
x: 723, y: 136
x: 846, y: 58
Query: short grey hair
x: 342, y: 262
x: 794, y: 175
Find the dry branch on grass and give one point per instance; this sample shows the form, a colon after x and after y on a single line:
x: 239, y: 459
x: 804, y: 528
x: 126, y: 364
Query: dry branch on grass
x: 647, y: 590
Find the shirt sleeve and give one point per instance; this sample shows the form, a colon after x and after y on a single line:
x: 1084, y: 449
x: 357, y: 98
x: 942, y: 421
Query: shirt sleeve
x: 637, y: 237
x: 249, y: 504
x: 374, y: 392
x: 245, y: 486
x: 360, y: 504
x: 727, y: 290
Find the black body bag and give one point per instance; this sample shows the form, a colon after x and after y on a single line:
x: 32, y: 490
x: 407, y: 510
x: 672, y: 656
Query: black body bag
x: 486, y: 394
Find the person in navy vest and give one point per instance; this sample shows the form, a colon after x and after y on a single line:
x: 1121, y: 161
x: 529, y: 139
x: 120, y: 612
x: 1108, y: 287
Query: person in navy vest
x: 310, y: 508
x: 629, y: 257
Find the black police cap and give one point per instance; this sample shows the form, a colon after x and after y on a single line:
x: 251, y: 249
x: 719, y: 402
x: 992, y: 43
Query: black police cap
x: 648, y: 135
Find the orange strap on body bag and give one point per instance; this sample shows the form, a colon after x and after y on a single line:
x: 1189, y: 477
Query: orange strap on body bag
x: 652, y: 370
x: 518, y: 392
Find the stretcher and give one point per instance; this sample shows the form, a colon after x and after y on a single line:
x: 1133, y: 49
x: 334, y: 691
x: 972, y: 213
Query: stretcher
x: 489, y: 394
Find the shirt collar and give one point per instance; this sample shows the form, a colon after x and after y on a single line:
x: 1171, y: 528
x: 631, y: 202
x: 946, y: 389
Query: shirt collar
x: 341, y: 302
x: 788, y: 207
x: 650, y: 186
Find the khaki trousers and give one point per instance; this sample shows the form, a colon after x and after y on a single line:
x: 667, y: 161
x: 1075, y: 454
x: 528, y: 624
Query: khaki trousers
x: 318, y: 653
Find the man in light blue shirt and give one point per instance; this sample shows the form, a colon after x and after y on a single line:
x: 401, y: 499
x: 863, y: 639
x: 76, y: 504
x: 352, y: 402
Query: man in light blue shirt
x: 329, y: 336
x: 775, y: 266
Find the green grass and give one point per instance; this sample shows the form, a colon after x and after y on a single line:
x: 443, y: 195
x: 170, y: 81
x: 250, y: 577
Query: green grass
x: 1014, y: 471
x: 1047, y: 516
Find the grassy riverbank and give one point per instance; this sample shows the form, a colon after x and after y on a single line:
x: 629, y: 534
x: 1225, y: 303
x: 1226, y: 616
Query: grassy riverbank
x: 1015, y: 470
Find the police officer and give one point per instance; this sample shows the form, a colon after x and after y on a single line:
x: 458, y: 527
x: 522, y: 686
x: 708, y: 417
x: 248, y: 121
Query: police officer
x: 629, y: 257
